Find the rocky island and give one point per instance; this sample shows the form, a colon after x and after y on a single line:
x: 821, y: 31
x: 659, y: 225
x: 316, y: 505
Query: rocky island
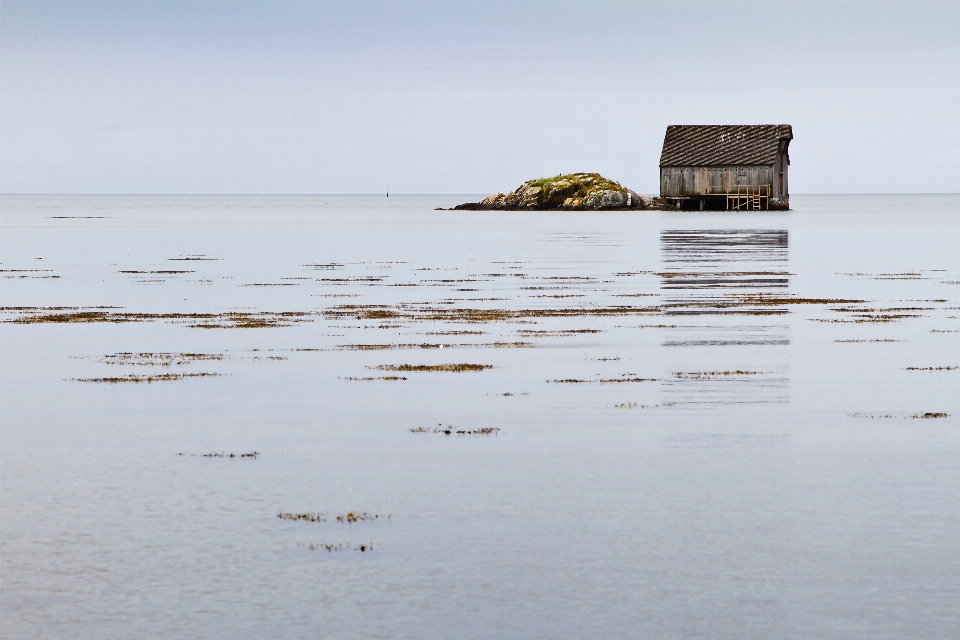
x: 569, y: 192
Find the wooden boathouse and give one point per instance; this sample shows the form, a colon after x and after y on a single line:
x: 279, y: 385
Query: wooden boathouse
x: 736, y: 167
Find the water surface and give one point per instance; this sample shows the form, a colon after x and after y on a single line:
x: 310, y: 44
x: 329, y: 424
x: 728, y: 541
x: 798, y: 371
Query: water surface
x: 686, y: 424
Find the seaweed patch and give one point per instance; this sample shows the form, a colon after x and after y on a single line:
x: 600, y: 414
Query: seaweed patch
x: 226, y: 320
x: 946, y: 368
x: 252, y: 455
x: 704, y: 375
x: 319, y: 516
x: 452, y: 368
x: 451, y: 430
x: 162, y: 359
x: 331, y: 548
x: 160, y: 377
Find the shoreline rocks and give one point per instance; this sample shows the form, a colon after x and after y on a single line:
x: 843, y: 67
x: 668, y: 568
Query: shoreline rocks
x: 569, y: 192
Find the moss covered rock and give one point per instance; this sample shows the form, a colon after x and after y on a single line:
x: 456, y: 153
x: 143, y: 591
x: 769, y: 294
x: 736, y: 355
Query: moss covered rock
x: 573, y: 191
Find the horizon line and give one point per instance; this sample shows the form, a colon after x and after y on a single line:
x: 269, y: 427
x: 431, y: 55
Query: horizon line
x: 382, y: 195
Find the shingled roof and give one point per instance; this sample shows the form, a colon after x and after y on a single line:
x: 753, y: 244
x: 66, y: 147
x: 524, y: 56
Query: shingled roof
x: 713, y: 145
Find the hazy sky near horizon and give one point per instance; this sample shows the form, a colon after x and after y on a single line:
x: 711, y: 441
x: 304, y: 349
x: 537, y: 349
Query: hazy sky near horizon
x: 468, y: 96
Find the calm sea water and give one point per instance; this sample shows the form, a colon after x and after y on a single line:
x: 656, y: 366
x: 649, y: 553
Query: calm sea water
x: 693, y: 425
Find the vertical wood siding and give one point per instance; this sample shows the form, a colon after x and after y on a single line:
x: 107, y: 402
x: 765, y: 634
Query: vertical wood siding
x: 698, y: 181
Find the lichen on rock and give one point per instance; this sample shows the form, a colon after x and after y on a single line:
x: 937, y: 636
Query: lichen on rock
x: 573, y: 191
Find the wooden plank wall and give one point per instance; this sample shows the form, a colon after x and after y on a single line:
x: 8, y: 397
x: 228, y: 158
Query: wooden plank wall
x: 697, y: 181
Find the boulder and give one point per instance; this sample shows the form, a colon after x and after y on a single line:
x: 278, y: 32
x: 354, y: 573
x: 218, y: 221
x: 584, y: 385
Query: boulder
x: 610, y: 199
x: 493, y: 201
x: 529, y: 196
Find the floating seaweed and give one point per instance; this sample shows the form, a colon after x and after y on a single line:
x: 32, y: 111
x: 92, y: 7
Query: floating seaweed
x: 163, y: 359
x: 28, y: 274
x: 718, y: 274
x: 427, y: 313
x: 776, y: 300
x: 165, y: 272
x: 227, y: 320
x: 906, y: 275
x: 450, y: 429
x: 618, y: 380
x: 357, y: 279
x: 380, y: 347
x: 701, y: 375
x: 161, y: 377
x: 320, y: 516
x: 865, y: 319
x: 368, y: 347
x: 455, y: 333
x: 946, y: 368
x: 930, y: 416
x: 330, y: 548
x: 252, y: 454
x: 530, y: 333
x: 357, y: 516
x: 453, y: 368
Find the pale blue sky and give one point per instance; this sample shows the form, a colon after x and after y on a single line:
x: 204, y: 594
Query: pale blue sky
x: 465, y: 96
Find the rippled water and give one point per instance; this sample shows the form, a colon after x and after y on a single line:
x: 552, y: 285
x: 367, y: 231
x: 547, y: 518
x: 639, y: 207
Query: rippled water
x: 686, y: 424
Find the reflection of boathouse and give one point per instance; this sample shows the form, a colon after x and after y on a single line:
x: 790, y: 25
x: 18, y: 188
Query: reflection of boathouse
x: 726, y: 166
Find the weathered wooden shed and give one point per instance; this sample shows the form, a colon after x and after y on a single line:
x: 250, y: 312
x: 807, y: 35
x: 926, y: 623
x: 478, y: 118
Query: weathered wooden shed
x: 726, y: 166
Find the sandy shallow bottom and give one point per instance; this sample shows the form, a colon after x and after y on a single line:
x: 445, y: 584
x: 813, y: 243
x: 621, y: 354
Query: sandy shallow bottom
x: 357, y: 417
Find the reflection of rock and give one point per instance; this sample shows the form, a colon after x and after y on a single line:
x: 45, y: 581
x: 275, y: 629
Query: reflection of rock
x: 575, y: 191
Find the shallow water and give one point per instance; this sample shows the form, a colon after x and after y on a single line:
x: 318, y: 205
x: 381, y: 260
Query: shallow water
x: 701, y: 424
